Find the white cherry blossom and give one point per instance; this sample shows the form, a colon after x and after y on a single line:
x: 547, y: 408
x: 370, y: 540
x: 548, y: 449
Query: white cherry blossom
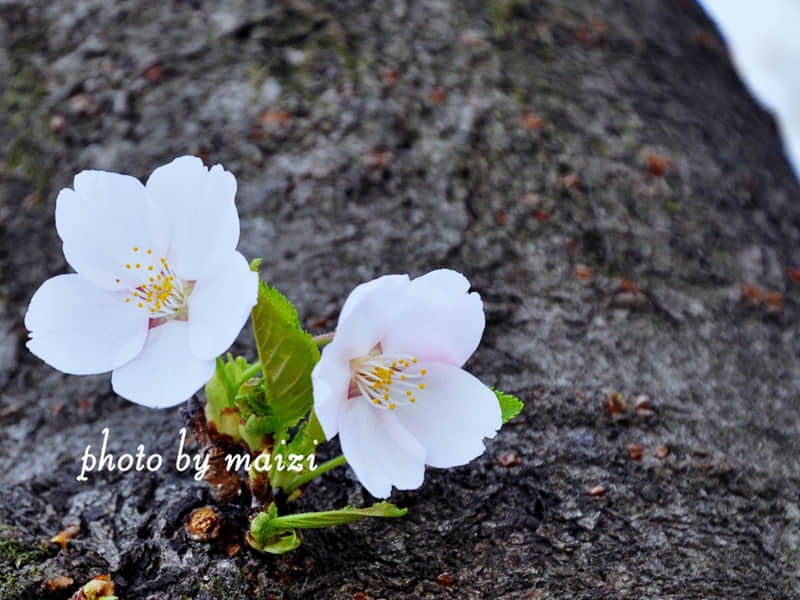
x: 390, y: 384
x: 159, y: 290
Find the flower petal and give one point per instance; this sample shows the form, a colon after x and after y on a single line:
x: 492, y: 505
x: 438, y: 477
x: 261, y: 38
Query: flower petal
x: 380, y: 451
x: 81, y: 329
x: 330, y: 380
x: 439, y: 321
x: 102, y: 220
x: 220, y: 305
x: 202, y: 213
x: 382, y: 288
x: 368, y: 313
x: 451, y: 416
x: 165, y: 373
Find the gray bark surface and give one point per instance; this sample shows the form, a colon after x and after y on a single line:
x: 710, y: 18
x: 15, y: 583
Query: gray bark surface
x: 408, y: 141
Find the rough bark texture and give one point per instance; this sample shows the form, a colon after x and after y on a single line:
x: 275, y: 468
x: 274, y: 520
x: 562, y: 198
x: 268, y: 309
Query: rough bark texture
x: 513, y: 140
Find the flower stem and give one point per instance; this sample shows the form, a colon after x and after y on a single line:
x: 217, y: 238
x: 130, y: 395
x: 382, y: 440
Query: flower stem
x: 309, y: 475
x: 250, y: 372
x: 323, y: 338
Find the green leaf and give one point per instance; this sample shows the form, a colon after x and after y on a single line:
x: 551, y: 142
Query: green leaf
x: 288, y: 354
x: 510, y: 406
x: 279, y: 543
x: 268, y: 530
x: 308, y: 436
x: 221, y: 394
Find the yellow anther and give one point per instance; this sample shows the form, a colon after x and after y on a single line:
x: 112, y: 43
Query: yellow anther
x: 127, y: 266
x: 408, y: 392
x: 423, y: 371
x: 376, y: 401
x: 386, y: 396
x: 138, y: 265
x: 117, y: 280
x: 152, y: 279
x: 412, y: 400
x: 414, y: 360
x: 149, y: 251
x: 150, y: 268
x: 127, y: 299
x: 422, y: 386
x: 136, y: 248
x: 402, y: 377
x: 140, y: 305
x: 392, y: 407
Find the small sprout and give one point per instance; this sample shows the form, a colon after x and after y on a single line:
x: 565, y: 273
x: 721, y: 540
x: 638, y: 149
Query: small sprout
x: 584, y: 34
x: 472, y: 39
x: 531, y: 121
x: 204, y: 524
x: 31, y: 200
x: 569, y: 181
x: 445, y: 580
x: 201, y: 153
x: 662, y: 452
x: 705, y: 40
x: 62, y: 537
x: 508, y: 460
x: 531, y: 200
x: 635, y: 451
x: 57, y: 122
x: 751, y: 293
x: 98, y: 588
x: 153, y: 73
x: 502, y: 219
x: 83, y: 105
x: 584, y: 273
x: 615, y: 404
x: 390, y: 77
x: 540, y: 216
x: 596, y: 491
x: 272, y: 117
x: 269, y: 122
x: 627, y: 286
x: 232, y: 550
x: 773, y: 301
x: 377, y: 159
x: 793, y: 273
x: 641, y: 405
x: 437, y: 95
x: 59, y: 582
x: 657, y: 164
x: 359, y: 596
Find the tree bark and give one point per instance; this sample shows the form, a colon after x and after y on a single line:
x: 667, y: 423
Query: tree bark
x: 595, y: 168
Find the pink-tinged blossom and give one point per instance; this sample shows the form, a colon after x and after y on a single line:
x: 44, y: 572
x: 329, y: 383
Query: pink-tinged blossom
x: 159, y: 290
x: 390, y: 384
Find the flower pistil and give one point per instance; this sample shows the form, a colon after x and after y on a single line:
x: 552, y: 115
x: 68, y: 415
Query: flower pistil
x: 162, y: 293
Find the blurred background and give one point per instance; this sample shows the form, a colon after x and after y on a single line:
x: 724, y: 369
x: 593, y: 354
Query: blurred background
x: 597, y: 169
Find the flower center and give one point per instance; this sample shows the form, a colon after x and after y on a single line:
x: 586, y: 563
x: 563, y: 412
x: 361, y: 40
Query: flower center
x: 387, y: 380
x: 161, y: 293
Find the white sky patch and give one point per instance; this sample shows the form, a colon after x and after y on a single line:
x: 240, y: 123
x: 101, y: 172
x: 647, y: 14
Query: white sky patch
x: 765, y: 47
